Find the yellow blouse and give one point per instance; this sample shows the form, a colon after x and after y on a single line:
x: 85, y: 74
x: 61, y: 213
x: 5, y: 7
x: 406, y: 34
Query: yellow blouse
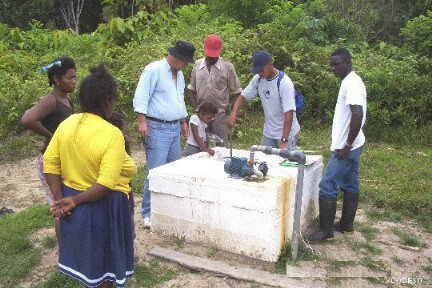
x: 86, y: 149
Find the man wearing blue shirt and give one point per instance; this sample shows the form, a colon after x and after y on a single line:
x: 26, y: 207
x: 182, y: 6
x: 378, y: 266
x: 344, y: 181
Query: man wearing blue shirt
x: 159, y: 104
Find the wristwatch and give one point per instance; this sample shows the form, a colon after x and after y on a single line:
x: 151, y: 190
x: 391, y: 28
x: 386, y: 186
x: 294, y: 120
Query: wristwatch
x: 284, y: 140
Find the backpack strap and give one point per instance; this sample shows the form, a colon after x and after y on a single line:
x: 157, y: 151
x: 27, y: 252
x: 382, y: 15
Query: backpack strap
x: 279, y: 78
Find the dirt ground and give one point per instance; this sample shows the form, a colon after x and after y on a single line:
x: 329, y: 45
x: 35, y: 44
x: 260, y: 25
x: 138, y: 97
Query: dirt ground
x: 345, y: 265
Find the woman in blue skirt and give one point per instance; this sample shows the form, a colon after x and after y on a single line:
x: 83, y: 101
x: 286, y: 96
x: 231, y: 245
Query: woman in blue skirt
x: 88, y: 172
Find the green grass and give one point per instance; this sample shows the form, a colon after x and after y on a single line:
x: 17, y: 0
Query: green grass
x: 212, y: 252
x: 337, y: 265
x: 397, y: 260
x: 146, y: 276
x: 150, y: 275
x: 137, y: 182
x: 59, y: 280
x: 304, y: 254
x: 376, y: 215
x: 179, y: 240
x: 408, y: 238
x: 374, y: 265
x: 428, y: 269
x: 367, y: 247
x: 17, y: 255
x: 49, y: 242
x: 398, y: 178
x: 367, y: 231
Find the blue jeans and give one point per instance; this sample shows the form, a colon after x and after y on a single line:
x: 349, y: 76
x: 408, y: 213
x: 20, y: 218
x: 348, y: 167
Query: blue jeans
x: 162, y: 146
x: 341, y: 173
x: 276, y: 142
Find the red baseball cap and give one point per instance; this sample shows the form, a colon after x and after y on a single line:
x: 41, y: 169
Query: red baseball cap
x: 213, y: 46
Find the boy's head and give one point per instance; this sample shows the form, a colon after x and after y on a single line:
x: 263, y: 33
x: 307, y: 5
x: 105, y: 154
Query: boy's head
x: 207, y: 111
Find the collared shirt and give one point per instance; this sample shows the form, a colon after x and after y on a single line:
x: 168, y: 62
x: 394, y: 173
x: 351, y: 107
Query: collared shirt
x: 158, y: 95
x: 214, y: 86
x: 86, y: 149
x: 352, y: 92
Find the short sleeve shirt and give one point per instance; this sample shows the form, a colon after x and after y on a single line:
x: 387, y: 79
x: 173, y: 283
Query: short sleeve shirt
x: 276, y: 102
x: 352, y: 92
x: 214, y: 86
x: 201, y: 130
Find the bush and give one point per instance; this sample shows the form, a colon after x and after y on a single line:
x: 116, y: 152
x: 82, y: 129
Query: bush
x: 300, y: 36
x: 417, y: 34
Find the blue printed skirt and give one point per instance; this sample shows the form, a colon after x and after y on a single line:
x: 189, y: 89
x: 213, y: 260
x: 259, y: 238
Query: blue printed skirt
x: 96, y: 243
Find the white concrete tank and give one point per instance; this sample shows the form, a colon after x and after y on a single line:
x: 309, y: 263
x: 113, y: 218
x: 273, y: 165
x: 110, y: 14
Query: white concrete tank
x: 194, y: 198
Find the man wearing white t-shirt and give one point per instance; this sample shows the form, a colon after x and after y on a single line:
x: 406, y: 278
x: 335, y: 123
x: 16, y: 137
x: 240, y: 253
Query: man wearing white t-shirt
x: 276, y: 91
x: 342, y: 170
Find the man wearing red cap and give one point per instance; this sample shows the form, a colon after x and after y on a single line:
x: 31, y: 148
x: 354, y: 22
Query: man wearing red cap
x: 214, y: 80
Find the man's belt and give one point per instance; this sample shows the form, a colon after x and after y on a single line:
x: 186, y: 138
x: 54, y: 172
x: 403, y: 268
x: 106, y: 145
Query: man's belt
x: 161, y: 121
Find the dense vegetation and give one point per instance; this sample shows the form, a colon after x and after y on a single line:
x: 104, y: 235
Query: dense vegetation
x: 300, y: 36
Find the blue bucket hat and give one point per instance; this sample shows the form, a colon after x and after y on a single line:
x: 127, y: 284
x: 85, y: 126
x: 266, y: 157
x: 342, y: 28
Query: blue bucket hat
x: 259, y: 60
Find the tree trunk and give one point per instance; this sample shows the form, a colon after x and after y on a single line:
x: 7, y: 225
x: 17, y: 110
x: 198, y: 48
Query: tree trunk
x: 71, y: 11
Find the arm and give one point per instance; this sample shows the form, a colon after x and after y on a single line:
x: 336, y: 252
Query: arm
x: 32, y: 117
x: 355, y: 126
x: 184, y: 128
x: 355, y: 123
x: 289, y: 116
x: 236, y: 106
x: 66, y: 205
x: 287, y: 98
x: 143, y: 92
x: 248, y: 93
x: 142, y: 125
x: 198, y: 139
x: 55, y: 185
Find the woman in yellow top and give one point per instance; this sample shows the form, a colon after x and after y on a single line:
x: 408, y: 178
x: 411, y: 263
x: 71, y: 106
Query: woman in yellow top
x: 88, y: 171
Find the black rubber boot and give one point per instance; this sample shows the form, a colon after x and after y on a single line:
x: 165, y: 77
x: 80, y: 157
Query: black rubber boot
x: 349, y: 210
x: 327, y: 211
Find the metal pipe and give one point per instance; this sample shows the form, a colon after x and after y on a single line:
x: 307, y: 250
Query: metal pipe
x: 299, y: 157
x: 292, y: 155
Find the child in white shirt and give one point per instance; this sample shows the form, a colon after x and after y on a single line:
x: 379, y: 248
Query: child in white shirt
x: 197, y: 140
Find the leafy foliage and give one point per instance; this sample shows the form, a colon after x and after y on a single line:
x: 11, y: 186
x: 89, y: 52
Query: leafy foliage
x: 300, y: 34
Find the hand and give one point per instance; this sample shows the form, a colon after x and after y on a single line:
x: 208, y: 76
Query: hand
x: 63, y: 207
x: 184, y: 129
x: 283, y: 145
x: 142, y: 128
x: 231, y: 121
x: 210, y: 151
x: 343, y: 153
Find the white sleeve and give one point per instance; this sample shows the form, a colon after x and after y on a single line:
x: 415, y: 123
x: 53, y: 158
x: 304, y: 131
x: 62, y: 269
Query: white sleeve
x: 286, y: 90
x: 194, y: 119
x: 355, y: 93
x: 251, y: 90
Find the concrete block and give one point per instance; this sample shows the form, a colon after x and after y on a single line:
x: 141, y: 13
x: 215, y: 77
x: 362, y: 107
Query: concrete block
x: 194, y: 198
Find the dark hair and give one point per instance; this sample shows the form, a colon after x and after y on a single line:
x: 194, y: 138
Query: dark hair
x: 60, y: 70
x: 344, y: 53
x: 208, y: 108
x: 96, y: 90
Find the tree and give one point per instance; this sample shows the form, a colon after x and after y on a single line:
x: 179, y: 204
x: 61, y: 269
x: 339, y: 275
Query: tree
x: 71, y: 11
